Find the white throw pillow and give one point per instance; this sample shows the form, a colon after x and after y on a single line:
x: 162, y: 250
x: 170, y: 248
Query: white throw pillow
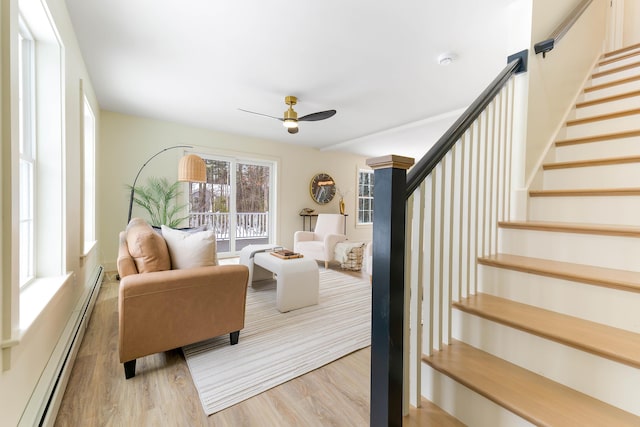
x: 189, y: 250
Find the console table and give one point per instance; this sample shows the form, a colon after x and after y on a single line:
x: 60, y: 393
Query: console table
x: 304, y: 221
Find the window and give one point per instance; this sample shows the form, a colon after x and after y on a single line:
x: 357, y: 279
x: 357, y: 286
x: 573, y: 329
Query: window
x: 89, y: 142
x: 236, y: 201
x: 40, y: 125
x: 27, y: 168
x: 365, y: 197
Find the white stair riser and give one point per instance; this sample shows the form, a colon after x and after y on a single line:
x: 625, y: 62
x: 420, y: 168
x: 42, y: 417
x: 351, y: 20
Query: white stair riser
x: 604, y: 379
x: 564, y: 296
x: 624, y: 175
x: 590, y: 210
x: 606, y: 107
x: 611, y: 91
x: 477, y: 410
x: 598, y: 150
x: 615, y: 76
x: 619, y: 124
x: 602, y: 251
x: 619, y: 63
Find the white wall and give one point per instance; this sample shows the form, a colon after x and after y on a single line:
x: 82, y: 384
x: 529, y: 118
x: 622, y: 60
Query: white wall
x: 27, y: 352
x: 554, y: 81
x: 128, y: 141
x: 411, y: 140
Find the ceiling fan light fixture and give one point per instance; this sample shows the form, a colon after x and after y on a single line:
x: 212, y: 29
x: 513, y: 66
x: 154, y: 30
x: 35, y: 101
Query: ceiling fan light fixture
x: 290, y: 119
x: 290, y: 123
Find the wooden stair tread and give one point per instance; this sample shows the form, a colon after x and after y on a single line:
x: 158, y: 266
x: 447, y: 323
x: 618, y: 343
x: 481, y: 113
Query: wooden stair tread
x: 598, y: 138
x: 588, y: 192
x: 571, y: 227
x: 608, y: 99
x: 429, y: 414
x: 602, y: 340
x: 611, y: 84
x: 531, y: 396
x: 607, y: 277
x: 600, y: 117
x: 621, y: 50
x: 623, y: 55
x: 594, y: 162
x: 615, y: 70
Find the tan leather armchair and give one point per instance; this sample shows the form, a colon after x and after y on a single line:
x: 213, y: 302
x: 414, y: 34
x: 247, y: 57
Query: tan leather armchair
x: 167, y: 309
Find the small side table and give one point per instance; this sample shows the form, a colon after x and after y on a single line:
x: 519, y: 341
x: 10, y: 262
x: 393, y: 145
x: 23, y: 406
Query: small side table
x: 304, y: 221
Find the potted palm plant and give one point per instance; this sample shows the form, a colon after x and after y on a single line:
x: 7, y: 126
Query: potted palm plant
x: 159, y: 199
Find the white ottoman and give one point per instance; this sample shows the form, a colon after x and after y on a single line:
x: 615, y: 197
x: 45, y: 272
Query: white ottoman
x: 297, y: 280
x: 246, y: 258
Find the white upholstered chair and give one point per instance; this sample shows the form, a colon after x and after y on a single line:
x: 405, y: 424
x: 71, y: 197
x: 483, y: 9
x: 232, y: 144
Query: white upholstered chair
x: 368, y: 259
x: 320, y: 244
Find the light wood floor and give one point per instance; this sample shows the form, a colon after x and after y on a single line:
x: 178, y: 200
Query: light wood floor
x: 162, y: 392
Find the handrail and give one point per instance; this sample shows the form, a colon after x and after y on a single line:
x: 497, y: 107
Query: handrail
x: 436, y: 221
x: 517, y: 63
x: 545, y: 46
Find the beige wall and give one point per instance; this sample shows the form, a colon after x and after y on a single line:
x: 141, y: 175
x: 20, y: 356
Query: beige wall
x: 631, y: 32
x: 555, y: 81
x: 127, y: 141
x: 28, y: 351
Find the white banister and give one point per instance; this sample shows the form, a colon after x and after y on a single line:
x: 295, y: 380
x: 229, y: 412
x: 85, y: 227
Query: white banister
x: 452, y: 220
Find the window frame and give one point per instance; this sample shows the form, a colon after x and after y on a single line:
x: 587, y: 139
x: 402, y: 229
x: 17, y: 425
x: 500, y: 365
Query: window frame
x: 368, y: 197
x: 27, y: 153
x: 89, y: 173
x: 234, y: 160
x: 49, y: 178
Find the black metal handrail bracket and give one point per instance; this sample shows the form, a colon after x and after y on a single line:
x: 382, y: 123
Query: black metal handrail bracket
x: 548, y: 44
x: 516, y: 64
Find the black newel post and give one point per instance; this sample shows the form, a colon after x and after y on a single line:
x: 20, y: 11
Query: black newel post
x: 388, y: 289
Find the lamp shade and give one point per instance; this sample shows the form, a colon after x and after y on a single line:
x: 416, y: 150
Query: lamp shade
x: 192, y: 169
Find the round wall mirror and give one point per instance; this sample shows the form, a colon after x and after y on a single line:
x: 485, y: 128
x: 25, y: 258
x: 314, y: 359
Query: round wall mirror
x: 322, y: 188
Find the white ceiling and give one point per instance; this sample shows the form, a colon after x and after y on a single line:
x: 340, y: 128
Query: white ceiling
x: 197, y: 61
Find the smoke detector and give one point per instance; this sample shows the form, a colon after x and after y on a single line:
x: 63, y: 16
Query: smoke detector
x: 446, y: 58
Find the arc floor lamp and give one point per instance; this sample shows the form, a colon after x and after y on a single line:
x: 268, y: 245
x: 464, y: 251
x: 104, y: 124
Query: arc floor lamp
x: 190, y: 169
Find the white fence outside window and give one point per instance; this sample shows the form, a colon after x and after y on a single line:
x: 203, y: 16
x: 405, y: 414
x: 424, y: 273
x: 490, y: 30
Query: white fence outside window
x: 248, y: 225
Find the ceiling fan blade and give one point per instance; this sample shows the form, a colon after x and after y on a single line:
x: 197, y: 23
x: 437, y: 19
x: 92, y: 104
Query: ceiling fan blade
x: 292, y: 130
x: 321, y: 115
x: 260, y: 114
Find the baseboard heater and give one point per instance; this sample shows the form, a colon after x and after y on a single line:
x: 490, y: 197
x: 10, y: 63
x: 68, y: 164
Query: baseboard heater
x: 45, y: 400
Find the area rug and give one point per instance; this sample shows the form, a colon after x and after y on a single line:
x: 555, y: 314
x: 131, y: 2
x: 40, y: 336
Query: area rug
x: 276, y: 347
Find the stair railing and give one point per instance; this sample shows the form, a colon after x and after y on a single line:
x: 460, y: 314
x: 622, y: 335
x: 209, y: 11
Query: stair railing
x: 430, y: 226
x: 549, y: 43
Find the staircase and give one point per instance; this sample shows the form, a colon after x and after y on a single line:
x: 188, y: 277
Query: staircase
x: 552, y: 336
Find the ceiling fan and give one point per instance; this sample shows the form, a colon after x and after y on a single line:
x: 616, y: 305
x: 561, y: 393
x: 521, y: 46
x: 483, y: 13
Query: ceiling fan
x: 290, y: 119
